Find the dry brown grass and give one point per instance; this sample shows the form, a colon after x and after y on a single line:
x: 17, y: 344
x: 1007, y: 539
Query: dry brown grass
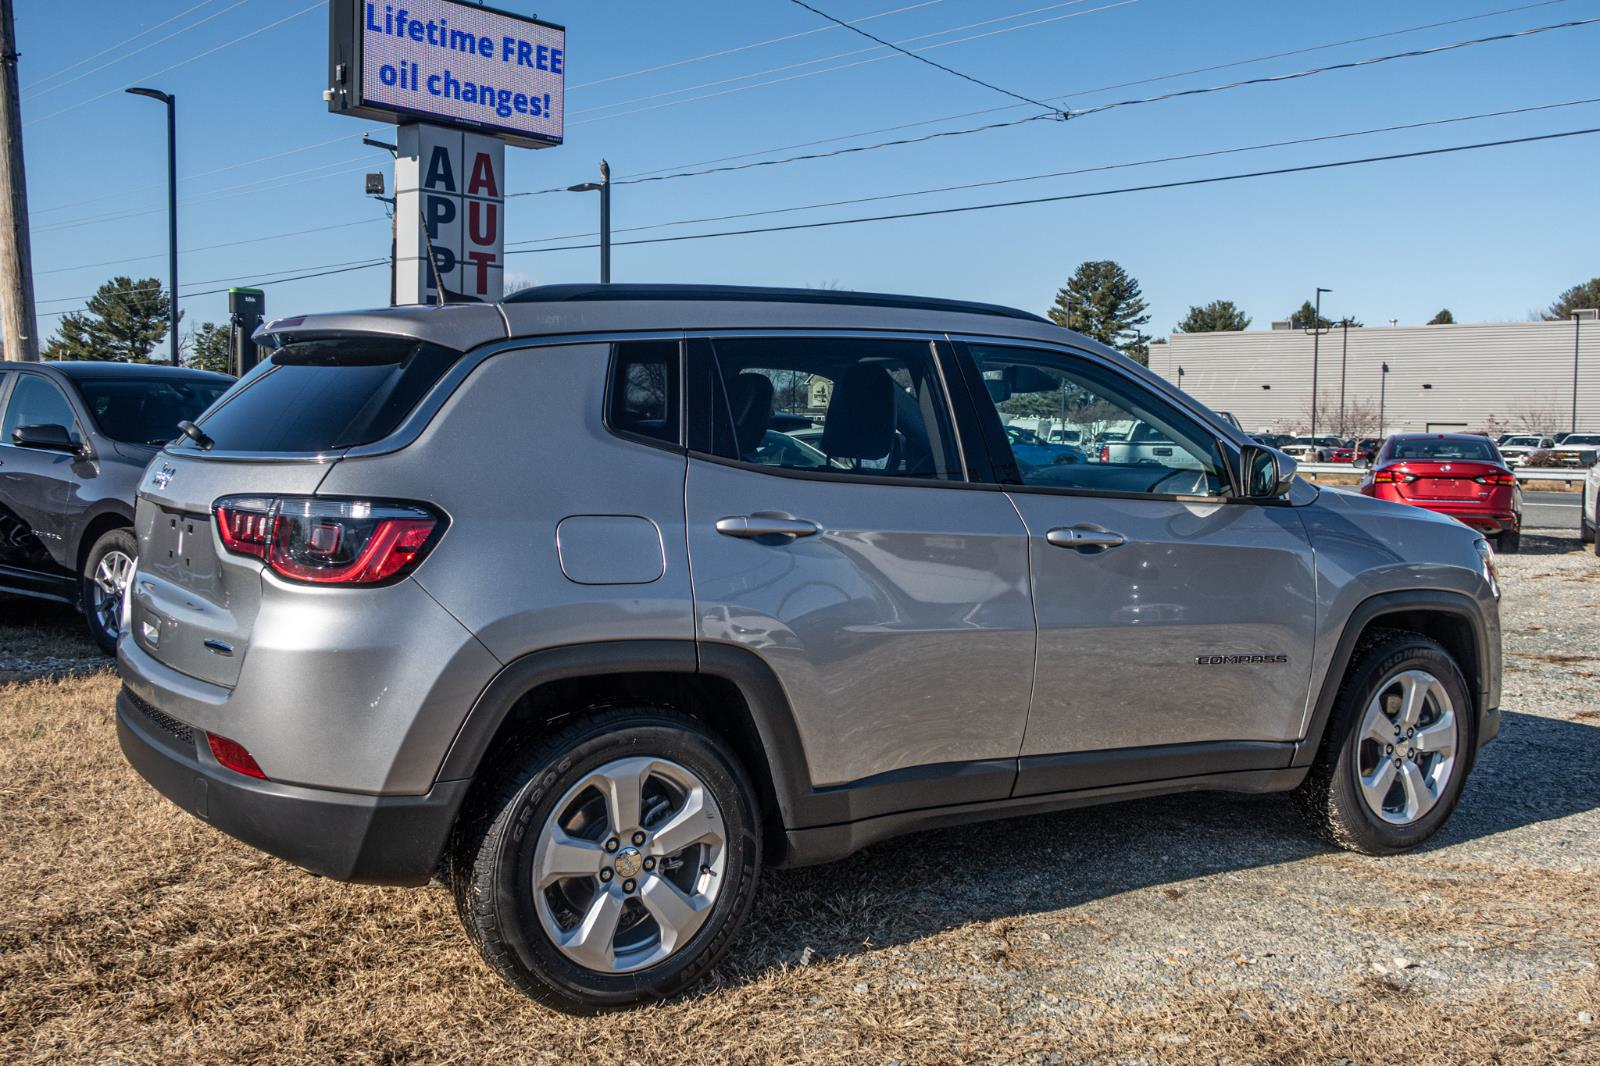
x: 132, y: 932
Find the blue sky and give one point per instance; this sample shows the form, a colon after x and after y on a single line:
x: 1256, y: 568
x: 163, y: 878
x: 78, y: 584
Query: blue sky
x: 1491, y: 234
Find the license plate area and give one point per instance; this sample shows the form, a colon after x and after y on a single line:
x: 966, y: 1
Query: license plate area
x: 181, y: 551
x: 1443, y: 488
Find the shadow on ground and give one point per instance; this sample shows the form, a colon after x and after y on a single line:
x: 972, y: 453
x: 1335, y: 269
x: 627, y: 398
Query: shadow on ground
x: 916, y: 886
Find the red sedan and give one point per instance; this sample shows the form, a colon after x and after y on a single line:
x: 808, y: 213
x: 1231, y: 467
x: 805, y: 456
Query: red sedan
x: 1454, y: 474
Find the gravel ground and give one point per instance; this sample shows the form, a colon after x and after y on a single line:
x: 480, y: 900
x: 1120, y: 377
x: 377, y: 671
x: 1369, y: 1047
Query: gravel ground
x: 1196, y: 928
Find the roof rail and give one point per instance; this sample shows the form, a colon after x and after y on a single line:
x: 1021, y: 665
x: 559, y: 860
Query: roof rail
x: 754, y: 294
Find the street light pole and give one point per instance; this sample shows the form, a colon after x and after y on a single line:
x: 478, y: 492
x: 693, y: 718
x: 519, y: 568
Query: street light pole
x: 1577, y: 332
x: 172, y: 207
x: 603, y: 187
x: 1344, y: 370
x: 1383, y: 389
x: 1316, y: 332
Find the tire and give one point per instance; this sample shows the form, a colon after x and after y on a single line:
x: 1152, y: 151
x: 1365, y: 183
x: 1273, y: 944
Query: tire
x: 1509, y: 542
x: 1585, y: 530
x: 106, y: 571
x: 511, y: 824
x: 1332, y: 800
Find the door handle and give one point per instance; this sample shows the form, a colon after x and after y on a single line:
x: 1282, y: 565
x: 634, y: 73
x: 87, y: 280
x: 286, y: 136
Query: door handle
x: 1085, y: 538
x: 752, y: 527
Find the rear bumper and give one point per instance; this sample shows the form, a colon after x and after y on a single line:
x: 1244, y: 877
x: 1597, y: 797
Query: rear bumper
x: 385, y: 840
x: 1470, y: 513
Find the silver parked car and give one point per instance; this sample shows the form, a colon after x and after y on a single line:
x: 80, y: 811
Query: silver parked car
x: 530, y: 596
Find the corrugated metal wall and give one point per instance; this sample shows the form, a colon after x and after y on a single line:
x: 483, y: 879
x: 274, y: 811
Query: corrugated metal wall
x: 1516, y: 372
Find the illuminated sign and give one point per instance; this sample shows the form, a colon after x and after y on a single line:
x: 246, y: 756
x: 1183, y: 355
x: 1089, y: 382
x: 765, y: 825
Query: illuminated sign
x: 450, y: 64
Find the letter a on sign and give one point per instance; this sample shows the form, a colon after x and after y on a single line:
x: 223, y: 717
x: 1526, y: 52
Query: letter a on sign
x: 441, y: 174
x: 483, y: 179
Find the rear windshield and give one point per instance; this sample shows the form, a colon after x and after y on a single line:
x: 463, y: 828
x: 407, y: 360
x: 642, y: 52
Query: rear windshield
x: 148, y: 412
x: 1478, y: 451
x: 320, y: 395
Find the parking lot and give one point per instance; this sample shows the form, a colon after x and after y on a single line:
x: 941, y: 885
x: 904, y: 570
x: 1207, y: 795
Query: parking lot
x: 1184, y: 929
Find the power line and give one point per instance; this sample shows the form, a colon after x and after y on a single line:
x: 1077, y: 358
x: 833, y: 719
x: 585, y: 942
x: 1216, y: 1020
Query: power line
x: 745, y: 47
x: 1305, y: 168
x: 829, y: 58
x: 862, y: 62
x: 143, y: 48
x: 215, y: 247
x: 1267, y: 79
x: 920, y: 58
x: 1080, y: 171
x: 340, y: 268
x: 1104, y: 88
x: 122, y: 42
x: 184, y: 62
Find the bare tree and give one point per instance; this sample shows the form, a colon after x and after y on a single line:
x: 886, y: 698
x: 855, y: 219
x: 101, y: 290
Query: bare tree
x: 1535, y: 417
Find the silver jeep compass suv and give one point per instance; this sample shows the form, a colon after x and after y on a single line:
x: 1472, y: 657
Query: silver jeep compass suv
x: 595, y: 601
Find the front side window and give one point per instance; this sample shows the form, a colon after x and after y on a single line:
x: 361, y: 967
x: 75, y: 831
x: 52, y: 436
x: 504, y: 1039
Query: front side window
x: 1072, y: 424
x: 874, y: 408
x: 37, y: 402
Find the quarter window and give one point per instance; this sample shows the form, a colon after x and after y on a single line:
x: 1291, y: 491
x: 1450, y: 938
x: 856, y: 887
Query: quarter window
x: 844, y: 406
x: 644, y: 391
x: 1071, y: 424
x: 37, y: 402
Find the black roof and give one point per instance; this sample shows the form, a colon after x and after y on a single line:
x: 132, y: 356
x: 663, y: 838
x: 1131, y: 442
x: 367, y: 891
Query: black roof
x: 83, y: 369
x: 755, y: 294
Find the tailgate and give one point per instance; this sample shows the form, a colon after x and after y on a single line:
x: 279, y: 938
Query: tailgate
x: 192, y: 604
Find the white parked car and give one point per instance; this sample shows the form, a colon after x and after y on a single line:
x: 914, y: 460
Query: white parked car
x: 1518, y: 448
x: 1590, y: 519
x: 1578, y: 449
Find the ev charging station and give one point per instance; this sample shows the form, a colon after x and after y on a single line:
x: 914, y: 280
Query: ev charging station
x: 461, y: 82
x: 247, y: 309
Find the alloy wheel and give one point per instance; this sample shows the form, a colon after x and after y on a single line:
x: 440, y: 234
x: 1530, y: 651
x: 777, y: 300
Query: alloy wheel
x: 110, y: 583
x: 629, y: 864
x: 1406, y: 749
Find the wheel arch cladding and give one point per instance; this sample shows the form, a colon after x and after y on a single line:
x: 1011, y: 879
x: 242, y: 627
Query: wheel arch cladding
x: 1450, y: 618
x: 730, y: 690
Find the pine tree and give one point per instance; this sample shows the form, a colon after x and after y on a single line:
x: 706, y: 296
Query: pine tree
x: 1307, y: 314
x: 1218, y: 316
x: 1103, y: 301
x: 211, y: 349
x: 1577, y: 298
x: 124, y: 321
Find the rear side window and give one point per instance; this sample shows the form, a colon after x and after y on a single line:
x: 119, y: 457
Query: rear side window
x: 643, y: 399
x: 320, y: 395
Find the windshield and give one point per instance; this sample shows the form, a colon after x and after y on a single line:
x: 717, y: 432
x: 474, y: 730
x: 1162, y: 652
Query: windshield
x: 1523, y: 442
x: 148, y: 412
x: 1477, y: 451
x: 1586, y: 440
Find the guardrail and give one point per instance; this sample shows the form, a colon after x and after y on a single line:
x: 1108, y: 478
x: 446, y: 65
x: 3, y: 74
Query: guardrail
x: 1523, y: 474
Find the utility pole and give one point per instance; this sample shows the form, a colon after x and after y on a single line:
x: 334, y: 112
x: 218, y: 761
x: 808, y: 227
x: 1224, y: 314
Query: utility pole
x: 16, y: 257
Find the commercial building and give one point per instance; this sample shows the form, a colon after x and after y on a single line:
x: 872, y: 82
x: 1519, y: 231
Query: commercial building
x: 1511, y: 375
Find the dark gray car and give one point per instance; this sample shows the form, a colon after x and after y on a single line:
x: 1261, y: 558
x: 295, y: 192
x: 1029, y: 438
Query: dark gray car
x: 74, y: 439
x: 526, y: 595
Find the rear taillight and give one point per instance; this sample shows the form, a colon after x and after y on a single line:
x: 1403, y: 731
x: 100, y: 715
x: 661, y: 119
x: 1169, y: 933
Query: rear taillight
x: 1496, y: 479
x: 232, y: 754
x: 1105, y: 453
x: 1392, y: 477
x: 328, y: 541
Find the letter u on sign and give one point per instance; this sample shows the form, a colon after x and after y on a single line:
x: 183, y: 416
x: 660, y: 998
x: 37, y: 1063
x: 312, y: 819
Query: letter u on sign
x: 483, y: 223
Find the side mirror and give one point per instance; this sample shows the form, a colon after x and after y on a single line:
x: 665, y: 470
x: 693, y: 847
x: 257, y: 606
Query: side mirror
x: 47, y: 436
x: 1267, y: 473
